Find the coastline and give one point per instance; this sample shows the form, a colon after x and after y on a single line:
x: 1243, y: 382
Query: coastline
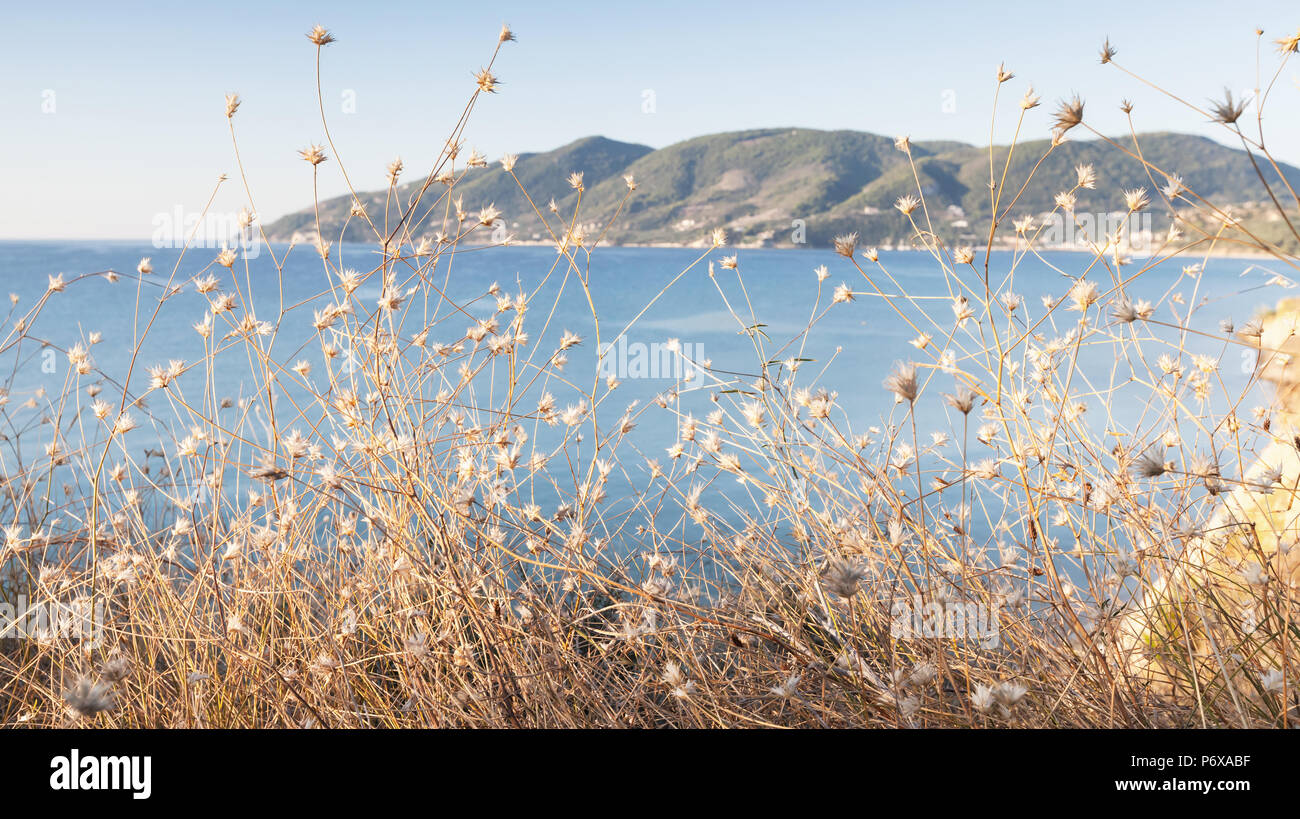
x: 1217, y: 251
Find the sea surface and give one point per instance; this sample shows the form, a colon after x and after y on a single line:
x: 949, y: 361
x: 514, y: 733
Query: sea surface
x: 734, y: 319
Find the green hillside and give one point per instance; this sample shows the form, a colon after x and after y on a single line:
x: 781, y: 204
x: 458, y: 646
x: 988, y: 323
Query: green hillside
x: 758, y: 183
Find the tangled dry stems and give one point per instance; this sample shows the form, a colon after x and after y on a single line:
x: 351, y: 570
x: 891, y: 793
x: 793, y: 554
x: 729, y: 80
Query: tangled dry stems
x: 423, y: 538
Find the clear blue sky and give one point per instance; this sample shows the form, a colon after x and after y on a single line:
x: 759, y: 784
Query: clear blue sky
x: 138, y: 125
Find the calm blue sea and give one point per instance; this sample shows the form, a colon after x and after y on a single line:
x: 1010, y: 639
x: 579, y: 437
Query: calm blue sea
x: 850, y: 350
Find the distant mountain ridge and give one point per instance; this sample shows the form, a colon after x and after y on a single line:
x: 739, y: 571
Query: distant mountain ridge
x: 774, y: 186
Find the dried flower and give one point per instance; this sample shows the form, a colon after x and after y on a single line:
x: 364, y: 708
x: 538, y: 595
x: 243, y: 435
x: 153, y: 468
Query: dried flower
x: 115, y: 669
x: 1152, y: 463
x: 1254, y: 574
x: 320, y: 36
x: 846, y: 245
x: 1068, y: 115
x: 1083, y: 294
x: 1086, y: 176
x: 1107, y: 52
x: 983, y: 699
x: 486, y: 81
x: 314, y: 154
x: 1136, y: 199
x: 787, y: 689
x: 1272, y: 680
x: 1228, y: 111
x: 87, y: 698
x: 963, y: 400
x: 843, y: 578
x: 902, y: 382
x: 1124, y: 312
x: 1009, y: 694
x: 1289, y: 44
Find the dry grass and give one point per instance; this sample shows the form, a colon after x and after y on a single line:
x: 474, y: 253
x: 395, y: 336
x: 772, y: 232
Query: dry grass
x: 371, y: 553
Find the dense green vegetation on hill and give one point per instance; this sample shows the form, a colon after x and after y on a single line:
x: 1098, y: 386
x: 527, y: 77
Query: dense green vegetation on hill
x: 758, y: 183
